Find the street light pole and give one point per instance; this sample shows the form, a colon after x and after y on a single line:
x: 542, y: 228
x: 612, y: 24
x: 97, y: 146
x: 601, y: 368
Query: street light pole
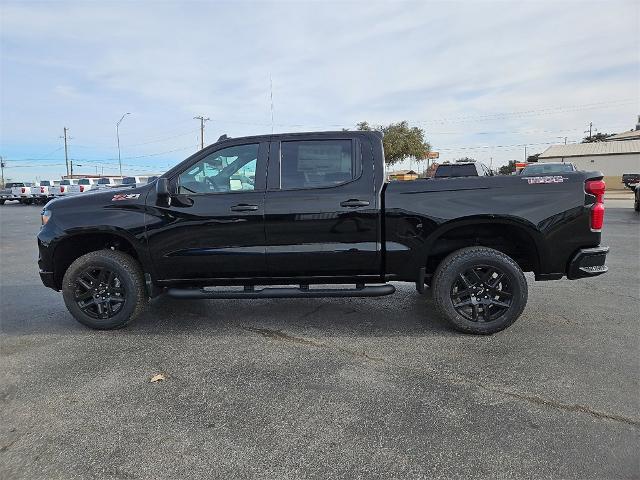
x: 118, y: 139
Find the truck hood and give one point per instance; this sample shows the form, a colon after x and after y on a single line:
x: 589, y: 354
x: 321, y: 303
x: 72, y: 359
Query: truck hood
x: 98, y: 198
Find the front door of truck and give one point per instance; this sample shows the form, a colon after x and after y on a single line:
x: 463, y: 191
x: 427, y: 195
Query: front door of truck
x: 322, y: 213
x: 214, y: 227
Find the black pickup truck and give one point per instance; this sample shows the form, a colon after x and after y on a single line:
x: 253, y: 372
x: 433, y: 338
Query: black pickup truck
x: 250, y: 217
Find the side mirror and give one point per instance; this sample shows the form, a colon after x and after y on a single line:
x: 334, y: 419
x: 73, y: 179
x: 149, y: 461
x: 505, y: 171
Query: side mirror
x: 162, y: 192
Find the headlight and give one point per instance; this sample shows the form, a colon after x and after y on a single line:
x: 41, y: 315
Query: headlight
x: 45, y: 216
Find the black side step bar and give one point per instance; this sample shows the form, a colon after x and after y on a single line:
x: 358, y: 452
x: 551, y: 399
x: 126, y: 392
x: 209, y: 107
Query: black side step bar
x: 270, y: 292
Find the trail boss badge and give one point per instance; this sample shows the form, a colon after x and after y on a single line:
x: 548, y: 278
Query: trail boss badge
x: 125, y: 196
x: 554, y: 179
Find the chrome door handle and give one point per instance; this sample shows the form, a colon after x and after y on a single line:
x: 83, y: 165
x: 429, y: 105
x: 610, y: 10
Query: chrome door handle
x: 353, y: 203
x: 243, y: 207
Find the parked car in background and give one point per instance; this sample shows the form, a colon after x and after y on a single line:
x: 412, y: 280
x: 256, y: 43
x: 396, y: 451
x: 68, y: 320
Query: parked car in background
x: 107, y: 182
x: 23, y: 193
x: 462, y: 169
x: 134, y: 181
x: 7, y: 195
x: 65, y: 184
x: 630, y: 180
x: 550, y: 168
x: 44, y: 190
x: 83, y: 185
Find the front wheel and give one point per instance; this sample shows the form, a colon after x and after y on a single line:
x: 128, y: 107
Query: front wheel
x: 104, y: 289
x: 479, y: 290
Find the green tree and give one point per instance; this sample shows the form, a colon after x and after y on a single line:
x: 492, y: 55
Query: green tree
x: 598, y: 137
x: 508, y: 169
x: 400, y: 141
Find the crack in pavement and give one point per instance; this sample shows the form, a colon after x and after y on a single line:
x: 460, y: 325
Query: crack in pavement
x: 284, y: 337
x: 451, y: 377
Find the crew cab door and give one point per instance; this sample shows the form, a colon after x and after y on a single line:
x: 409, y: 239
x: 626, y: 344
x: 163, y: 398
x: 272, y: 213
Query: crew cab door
x: 322, y: 213
x: 214, y: 227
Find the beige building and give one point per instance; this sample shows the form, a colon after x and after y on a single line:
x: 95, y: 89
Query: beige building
x: 611, y: 158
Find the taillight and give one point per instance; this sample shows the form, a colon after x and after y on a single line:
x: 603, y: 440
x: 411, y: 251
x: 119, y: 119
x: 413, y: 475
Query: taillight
x: 41, y: 189
x: 81, y: 188
x: 61, y: 189
x: 596, y: 188
x: 24, y: 190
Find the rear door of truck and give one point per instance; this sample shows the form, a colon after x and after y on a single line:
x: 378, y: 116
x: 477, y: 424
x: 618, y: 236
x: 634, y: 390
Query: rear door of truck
x: 322, y: 213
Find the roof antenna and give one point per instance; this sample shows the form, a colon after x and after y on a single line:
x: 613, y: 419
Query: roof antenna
x: 271, y: 89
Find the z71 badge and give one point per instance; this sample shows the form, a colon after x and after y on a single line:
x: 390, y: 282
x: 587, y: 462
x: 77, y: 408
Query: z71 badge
x: 125, y: 196
x: 550, y: 179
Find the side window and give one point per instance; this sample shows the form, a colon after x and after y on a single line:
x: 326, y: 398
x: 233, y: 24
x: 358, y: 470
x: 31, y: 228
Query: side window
x: 317, y: 163
x: 227, y: 170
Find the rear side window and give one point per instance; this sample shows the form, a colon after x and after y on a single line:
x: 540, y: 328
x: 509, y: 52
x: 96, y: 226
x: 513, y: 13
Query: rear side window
x: 317, y: 163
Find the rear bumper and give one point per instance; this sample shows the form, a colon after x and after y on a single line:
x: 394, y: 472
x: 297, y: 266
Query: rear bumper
x: 588, y: 262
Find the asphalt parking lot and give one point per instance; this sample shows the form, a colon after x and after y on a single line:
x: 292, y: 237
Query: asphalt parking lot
x: 322, y: 388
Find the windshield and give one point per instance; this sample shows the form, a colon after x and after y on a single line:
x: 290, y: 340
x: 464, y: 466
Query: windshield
x: 466, y: 170
x: 543, y: 168
x: 128, y: 180
x: 45, y: 183
x: 104, y: 181
x: 84, y: 181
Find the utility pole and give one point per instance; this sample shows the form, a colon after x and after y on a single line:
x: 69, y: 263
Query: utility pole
x: 525, y: 153
x: 202, y: 120
x: 2, y: 169
x: 118, y: 139
x: 66, y: 153
x: 591, y: 129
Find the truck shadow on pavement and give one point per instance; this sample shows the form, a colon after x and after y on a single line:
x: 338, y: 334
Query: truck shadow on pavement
x: 404, y: 314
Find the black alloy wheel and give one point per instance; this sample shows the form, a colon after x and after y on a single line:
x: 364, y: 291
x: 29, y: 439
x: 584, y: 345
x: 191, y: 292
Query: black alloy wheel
x: 479, y: 290
x: 481, y: 294
x: 104, y: 289
x: 99, y: 293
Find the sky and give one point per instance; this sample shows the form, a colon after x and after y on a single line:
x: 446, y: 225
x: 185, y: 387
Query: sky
x: 483, y: 79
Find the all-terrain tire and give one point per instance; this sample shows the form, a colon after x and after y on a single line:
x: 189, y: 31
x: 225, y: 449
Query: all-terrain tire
x: 465, y: 259
x: 131, y: 282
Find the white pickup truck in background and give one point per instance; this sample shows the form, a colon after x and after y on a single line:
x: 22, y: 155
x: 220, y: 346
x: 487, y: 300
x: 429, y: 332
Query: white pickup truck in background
x: 83, y: 186
x: 44, y: 190
x: 23, y: 194
x: 64, y: 187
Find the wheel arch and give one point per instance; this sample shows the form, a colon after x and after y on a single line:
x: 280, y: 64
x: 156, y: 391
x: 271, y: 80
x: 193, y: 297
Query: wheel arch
x: 514, y: 237
x: 76, y: 244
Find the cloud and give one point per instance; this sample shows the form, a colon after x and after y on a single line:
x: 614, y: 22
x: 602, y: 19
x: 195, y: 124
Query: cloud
x: 82, y: 64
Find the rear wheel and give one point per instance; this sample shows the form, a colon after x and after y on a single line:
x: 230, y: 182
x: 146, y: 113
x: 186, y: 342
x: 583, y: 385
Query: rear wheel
x: 480, y: 290
x: 104, y: 289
